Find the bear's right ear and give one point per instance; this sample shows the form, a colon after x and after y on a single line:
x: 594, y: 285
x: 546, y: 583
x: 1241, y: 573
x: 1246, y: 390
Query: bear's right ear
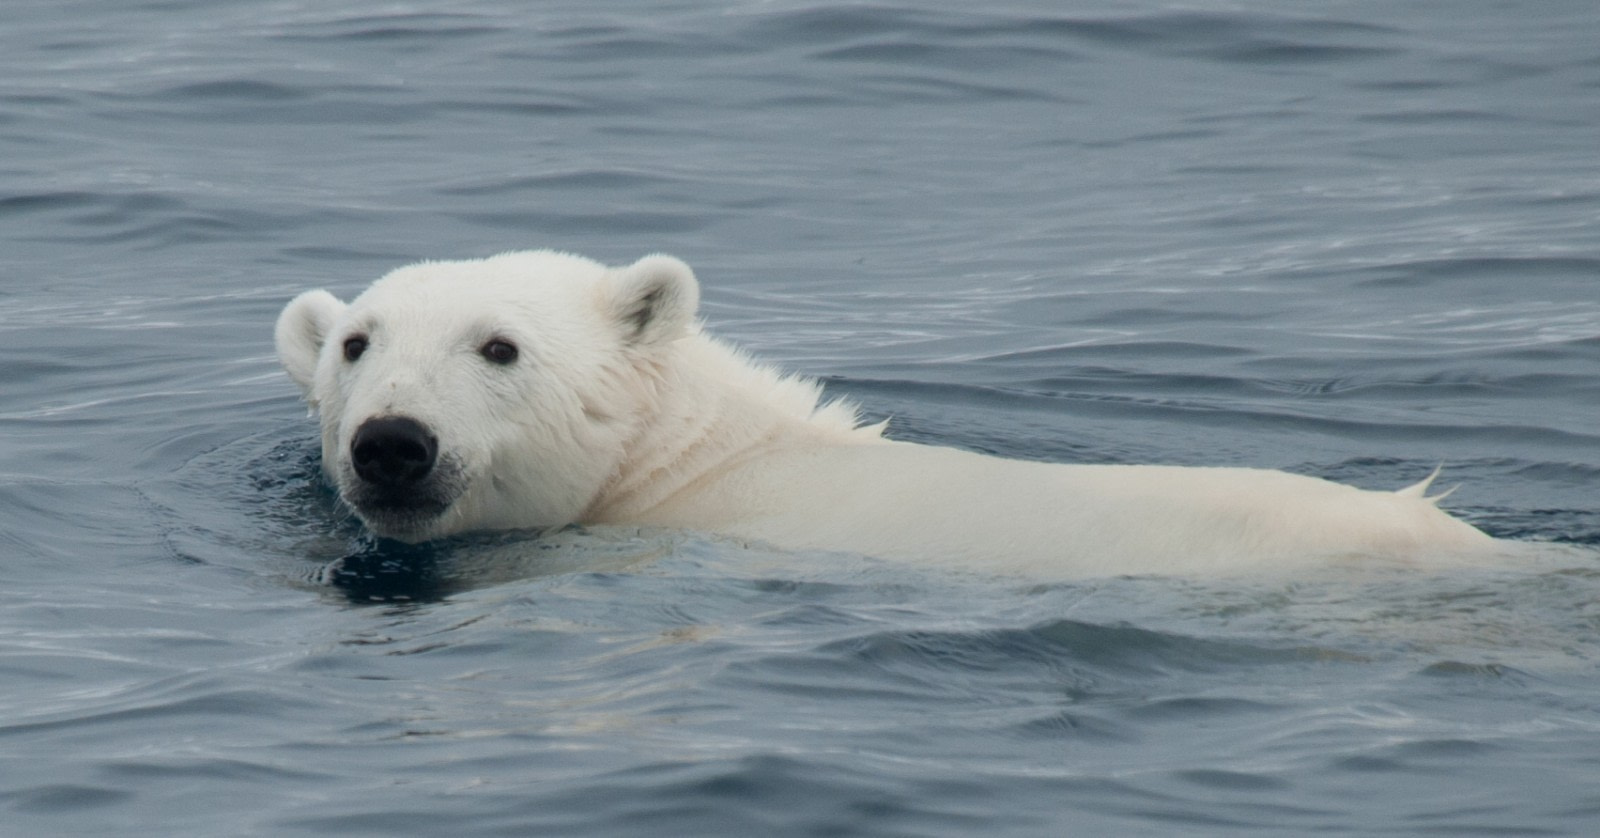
x: 302, y: 328
x: 654, y: 299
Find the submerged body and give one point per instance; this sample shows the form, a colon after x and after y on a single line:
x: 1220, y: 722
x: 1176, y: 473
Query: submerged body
x: 892, y: 500
x: 540, y: 389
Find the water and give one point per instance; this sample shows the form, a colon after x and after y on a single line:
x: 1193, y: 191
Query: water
x: 1352, y: 239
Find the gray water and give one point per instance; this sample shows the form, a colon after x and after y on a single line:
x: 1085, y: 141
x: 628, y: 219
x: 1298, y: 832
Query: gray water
x: 1351, y: 239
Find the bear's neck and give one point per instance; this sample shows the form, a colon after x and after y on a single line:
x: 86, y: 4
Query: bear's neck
x: 713, y: 409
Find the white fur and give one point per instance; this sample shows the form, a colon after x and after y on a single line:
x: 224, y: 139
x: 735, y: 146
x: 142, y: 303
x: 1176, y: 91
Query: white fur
x: 620, y: 410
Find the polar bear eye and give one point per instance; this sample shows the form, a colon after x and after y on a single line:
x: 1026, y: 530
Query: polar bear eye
x: 354, y: 346
x: 499, y: 351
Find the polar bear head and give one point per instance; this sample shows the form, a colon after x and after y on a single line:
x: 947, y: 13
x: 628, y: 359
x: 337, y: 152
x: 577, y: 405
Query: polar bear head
x: 484, y: 394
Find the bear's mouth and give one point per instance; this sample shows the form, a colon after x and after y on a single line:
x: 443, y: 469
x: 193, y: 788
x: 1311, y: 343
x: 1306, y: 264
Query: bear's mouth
x: 408, y: 512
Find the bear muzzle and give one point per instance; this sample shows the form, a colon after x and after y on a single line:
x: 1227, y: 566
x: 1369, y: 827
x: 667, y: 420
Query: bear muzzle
x: 396, y: 479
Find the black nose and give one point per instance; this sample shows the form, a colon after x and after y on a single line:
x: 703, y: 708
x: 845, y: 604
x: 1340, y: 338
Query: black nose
x: 393, y: 451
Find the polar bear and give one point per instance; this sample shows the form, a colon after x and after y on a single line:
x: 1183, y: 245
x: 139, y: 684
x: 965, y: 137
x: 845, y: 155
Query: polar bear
x: 538, y: 389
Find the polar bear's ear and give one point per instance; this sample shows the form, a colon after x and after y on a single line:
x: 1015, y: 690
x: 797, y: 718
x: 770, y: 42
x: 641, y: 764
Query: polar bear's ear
x: 301, y: 330
x: 654, y: 299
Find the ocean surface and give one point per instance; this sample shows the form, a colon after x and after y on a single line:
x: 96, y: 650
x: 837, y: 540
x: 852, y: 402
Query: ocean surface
x: 1355, y: 239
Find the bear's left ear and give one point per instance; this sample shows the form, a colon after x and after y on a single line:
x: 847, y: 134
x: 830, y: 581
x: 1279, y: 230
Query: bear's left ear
x: 654, y: 299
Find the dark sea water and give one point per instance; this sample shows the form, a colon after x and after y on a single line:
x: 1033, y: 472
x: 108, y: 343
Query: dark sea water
x: 1352, y: 239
